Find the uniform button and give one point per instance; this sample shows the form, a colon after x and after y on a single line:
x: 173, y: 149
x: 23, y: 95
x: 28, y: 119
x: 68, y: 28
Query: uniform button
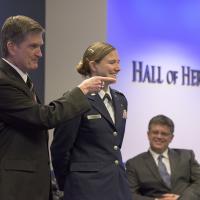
x: 116, y: 162
x: 115, y: 147
x: 115, y: 133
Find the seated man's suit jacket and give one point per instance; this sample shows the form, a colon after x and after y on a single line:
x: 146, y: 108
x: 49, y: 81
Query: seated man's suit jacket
x: 24, y: 157
x: 146, y: 183
x: 86, y: 153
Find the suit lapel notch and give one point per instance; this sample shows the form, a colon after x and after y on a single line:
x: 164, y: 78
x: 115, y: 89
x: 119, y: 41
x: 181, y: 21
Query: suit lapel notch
x: 151, y: 165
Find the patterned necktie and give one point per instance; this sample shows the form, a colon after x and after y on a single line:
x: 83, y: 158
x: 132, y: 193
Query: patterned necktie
x: 31, y: 87
x: 163, y: 171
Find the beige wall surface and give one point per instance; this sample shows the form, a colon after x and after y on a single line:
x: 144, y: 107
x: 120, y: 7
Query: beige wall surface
x: 71, y: 25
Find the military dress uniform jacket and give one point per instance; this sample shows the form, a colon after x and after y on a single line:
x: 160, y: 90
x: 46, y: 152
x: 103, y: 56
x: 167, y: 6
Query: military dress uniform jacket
x: 147, y: 184
x: 24, y: 158
x: 86, y: 153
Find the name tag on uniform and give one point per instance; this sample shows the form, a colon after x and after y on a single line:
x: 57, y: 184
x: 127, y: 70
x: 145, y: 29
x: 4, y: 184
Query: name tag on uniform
x: 98, y: 116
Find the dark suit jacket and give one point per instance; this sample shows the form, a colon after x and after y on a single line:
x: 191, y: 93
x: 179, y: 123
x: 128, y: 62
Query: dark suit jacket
x: 24, y: 160
x: 86, y: 153
x: 146, y: 183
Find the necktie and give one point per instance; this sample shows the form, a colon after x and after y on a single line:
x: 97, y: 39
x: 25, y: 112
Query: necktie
x: 163, y: 171
x: 107, y: 96
x: 108, y: 103
x: 29, y: 83
x: 31, y: 87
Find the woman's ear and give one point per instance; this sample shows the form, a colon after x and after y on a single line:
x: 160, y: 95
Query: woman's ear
x: 92, y: 65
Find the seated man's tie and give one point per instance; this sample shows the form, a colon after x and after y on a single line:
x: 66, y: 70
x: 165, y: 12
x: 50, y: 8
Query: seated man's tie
x: 163, y: 171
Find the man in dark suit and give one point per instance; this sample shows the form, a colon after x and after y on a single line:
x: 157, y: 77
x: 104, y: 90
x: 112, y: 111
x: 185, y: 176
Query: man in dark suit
x: 24, y: 160
x: 163, y: 173
x: 89, y: 166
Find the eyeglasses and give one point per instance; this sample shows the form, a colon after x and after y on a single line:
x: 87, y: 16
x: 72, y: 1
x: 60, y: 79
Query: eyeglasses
x: 162, y: 134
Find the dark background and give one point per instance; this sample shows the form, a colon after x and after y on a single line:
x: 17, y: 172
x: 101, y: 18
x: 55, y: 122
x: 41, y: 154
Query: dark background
x: 36, y: 10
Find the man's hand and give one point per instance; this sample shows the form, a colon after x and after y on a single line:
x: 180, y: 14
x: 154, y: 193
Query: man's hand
x: 95, y: 84
x: 168, y: 196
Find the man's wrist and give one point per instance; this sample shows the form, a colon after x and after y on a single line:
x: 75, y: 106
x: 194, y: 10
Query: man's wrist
x: 83, y: 89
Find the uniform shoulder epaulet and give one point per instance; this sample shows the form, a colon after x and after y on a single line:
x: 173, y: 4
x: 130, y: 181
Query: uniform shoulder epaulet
x: 118, y: 92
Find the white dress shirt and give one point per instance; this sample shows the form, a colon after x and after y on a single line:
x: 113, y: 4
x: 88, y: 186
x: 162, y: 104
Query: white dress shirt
x: 165, y: 159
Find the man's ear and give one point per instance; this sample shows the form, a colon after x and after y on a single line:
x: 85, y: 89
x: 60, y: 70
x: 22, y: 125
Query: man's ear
x: 92, y: 65
x: 11, y: 46
x: 172, y: 136
x: 148, y: 134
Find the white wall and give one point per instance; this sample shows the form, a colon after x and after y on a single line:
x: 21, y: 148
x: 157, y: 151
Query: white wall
x: 71, y: 26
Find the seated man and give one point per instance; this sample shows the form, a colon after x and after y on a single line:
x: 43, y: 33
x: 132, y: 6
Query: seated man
x: 163, y: 173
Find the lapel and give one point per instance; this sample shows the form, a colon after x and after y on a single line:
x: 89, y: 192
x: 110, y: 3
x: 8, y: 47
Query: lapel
x: 98, y: 104
x: 11, y: 73
x: 14, y: 76
x: 118, y: 108
x: 150, y: 163
x: 37, y: 99
x: 173, y: 164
